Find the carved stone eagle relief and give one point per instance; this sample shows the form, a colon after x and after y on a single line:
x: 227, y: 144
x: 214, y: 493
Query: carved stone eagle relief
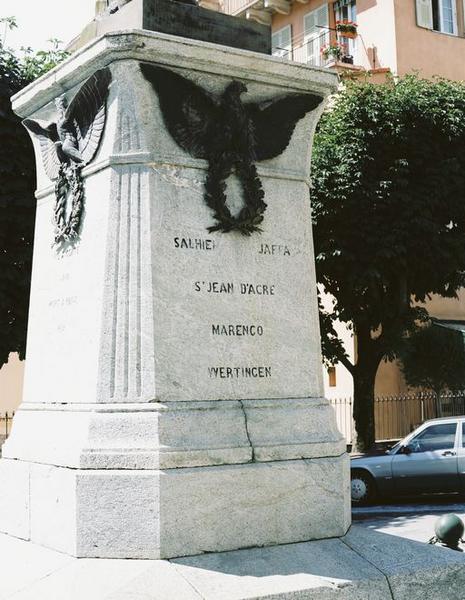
x: 69, y: 144
x: 230, y: 135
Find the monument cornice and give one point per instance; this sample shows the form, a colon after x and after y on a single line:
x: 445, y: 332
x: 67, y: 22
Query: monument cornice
x: 190, y: 54
x: 154, y: 160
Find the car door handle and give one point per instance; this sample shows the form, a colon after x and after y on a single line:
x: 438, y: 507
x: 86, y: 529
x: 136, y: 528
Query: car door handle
x: 448, y: 453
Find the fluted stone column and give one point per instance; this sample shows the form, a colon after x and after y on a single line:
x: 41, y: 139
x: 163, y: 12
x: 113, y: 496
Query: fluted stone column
x: 154, y: 422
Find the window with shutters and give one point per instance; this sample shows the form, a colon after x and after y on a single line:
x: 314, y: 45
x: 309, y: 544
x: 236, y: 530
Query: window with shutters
x: 316, y: 34
x: 447, y: 16
x: 346, y: 11
x: 281, y: 42
x: 440, y: 15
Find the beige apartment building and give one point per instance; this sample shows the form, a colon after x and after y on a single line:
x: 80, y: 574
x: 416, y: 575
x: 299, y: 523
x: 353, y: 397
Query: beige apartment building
x: 392, y: 37
x: 396, y: 36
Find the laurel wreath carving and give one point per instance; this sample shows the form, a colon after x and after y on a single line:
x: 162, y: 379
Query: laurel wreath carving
x: 231, y: 135
x: 68, y: 184
x: 251, y: 215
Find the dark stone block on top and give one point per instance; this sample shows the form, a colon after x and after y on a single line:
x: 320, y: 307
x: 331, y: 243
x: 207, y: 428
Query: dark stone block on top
x: 189, y: 21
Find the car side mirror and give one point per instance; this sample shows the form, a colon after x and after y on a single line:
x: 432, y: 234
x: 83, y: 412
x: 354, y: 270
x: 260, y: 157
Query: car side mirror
x: 406, y: 450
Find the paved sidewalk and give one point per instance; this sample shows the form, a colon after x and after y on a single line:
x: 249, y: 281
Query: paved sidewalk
x: 410, y: 525
x: 362, y: 565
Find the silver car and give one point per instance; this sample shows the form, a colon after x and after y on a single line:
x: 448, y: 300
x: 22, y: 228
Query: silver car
x: 429, y: 460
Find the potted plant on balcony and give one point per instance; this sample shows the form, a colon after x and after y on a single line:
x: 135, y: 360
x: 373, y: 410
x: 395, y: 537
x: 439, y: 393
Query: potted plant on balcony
x: 347, y: 29
x: 347, y: 59
x: 333, y: 51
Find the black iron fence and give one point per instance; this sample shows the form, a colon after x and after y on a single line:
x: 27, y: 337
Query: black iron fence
x: 397, y: 416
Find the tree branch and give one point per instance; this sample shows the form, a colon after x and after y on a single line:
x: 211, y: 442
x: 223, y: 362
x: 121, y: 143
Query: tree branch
x: 347, y: 364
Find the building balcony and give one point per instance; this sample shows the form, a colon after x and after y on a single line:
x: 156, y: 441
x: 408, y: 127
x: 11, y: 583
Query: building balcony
x: 237, y: 7
x: 258, y: 10
x: 309, y: 50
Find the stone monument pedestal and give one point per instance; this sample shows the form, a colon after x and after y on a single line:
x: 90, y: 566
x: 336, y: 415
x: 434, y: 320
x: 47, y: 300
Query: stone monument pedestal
x: 173, y: 398
x: 173, y: 390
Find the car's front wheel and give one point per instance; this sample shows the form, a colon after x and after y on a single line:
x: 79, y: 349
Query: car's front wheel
x: 362, y: 488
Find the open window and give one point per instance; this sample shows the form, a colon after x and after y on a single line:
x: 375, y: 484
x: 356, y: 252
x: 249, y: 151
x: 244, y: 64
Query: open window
x: 439, y: 15
x: 316, y: 34
x: 346, y: 10
x: 281, y: 42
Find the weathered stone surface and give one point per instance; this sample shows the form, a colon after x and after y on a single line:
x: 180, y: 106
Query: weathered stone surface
x: 414, y: 570
x: 174, y: 434
x: 257, y: 504
x: 177, y: 512
x: 119, y: 514
x: 176, y: 18
x: 144, y: 436
x: 287, y: 429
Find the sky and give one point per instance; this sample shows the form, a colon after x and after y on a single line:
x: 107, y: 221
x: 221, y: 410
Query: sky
x: 41, y: 20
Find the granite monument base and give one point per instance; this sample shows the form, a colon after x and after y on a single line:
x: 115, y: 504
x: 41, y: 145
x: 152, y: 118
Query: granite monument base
x: 157, y: 481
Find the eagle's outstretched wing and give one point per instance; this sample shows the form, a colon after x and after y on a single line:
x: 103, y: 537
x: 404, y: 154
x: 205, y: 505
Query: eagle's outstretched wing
x: 47, y: 135
x: 87, y: 111
x: 274, y: 122
x: 189, y: 111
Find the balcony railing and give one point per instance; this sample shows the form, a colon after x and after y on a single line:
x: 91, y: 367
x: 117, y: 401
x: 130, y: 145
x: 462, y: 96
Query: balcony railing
x: 307, y: 50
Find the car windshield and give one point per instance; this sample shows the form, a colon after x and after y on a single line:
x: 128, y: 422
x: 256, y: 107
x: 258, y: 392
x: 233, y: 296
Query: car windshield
x: 394, y: 449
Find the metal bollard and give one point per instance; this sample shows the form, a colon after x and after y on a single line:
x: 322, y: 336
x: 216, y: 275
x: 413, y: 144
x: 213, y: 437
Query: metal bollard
x: 449, y: 530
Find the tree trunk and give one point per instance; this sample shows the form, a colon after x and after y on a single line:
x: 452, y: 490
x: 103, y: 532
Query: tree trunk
x: 364, y: 410
x: 364, y: 375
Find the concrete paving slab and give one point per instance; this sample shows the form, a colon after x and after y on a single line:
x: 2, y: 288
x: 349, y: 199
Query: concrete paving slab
x: 23, y: 563
x: 413, y: 569
x: 106, y: 579
x: 319, y: 570
x: 84, y: 579
x: 158, y: 581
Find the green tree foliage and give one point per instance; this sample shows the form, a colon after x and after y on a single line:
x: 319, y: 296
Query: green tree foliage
x: 17, y: 184
x: 389, y: 217
x: 434, y: 358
